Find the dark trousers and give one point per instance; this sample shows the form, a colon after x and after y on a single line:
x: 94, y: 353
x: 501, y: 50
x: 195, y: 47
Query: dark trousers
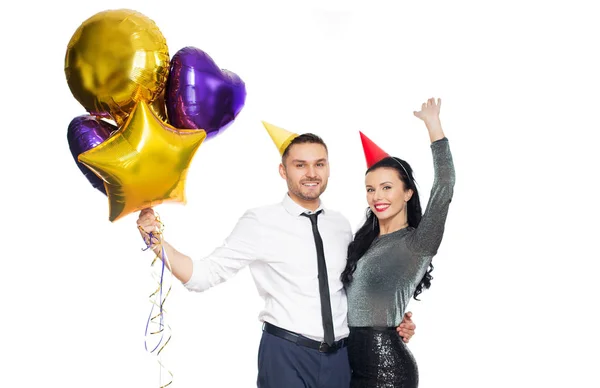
x: 283, y: 364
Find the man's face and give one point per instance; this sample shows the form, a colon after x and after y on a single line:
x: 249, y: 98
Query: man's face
x: 306, y: 171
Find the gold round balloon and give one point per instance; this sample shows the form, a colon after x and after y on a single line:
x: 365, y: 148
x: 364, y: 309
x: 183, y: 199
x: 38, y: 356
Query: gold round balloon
x: 115, y: 59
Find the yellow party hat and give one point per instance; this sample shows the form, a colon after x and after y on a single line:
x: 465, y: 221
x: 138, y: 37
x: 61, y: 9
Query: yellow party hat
x: 281, y: 137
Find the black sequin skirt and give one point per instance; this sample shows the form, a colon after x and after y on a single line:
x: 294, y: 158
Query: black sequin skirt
x: 380, y: 359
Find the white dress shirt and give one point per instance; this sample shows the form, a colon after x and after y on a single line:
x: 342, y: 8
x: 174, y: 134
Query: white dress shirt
x: 278, y: 245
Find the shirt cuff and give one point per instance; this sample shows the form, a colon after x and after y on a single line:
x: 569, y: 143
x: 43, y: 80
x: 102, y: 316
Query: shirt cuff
x: 196, y: 283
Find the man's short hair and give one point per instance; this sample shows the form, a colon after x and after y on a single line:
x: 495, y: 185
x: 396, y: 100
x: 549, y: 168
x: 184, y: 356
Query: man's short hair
x: 303, y: 139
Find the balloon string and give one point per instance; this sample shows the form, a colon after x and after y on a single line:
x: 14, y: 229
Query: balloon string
x: 158, y: 299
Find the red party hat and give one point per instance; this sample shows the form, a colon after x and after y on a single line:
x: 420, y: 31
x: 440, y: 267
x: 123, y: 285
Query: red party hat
x: 373, y: 153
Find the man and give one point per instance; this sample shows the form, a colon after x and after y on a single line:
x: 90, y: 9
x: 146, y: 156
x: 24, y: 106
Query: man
x: 296, y: 251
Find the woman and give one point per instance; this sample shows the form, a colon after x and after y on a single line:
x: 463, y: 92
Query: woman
x: 390, y: 258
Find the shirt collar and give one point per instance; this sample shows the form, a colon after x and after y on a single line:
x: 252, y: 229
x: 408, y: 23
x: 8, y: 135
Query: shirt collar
x: 294, y: 209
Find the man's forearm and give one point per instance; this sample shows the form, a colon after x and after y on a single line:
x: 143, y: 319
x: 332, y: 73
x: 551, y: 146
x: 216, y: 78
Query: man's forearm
x: 180, y: 265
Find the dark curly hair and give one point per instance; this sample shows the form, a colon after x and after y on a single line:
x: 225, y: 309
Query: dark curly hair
x: 369, y: 231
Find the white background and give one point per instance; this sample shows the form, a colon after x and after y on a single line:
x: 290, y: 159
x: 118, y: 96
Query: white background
x: 514, y: 296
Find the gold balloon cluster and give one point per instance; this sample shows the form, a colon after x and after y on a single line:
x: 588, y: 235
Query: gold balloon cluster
x: 117, y: 66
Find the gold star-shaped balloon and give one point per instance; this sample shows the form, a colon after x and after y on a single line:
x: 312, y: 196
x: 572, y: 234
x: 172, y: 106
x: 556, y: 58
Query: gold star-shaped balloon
x: 144, y: 163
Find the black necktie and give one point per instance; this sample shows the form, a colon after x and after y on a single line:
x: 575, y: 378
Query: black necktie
x: 323, y: 282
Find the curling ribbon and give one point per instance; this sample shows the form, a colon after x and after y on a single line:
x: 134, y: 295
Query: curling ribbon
x: 158, y: 298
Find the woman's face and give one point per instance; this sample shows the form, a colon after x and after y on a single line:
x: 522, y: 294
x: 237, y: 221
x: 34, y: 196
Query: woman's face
x: 386, y: 193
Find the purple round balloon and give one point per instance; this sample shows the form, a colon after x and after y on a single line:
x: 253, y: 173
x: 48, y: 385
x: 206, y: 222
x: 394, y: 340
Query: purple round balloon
x: 86, y: 132
x: 200, y: 95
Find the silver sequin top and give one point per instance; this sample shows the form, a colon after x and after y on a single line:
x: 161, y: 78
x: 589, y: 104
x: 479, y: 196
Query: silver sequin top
x: 388, y: 273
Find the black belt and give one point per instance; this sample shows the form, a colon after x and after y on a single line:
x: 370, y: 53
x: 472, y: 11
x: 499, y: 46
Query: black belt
x: 303, y: 341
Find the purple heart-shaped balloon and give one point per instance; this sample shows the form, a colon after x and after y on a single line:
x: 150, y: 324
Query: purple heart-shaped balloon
x: 200, y: 95
x: 86, y: 132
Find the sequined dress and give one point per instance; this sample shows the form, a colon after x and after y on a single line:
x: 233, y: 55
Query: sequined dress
x: 385, y: 279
